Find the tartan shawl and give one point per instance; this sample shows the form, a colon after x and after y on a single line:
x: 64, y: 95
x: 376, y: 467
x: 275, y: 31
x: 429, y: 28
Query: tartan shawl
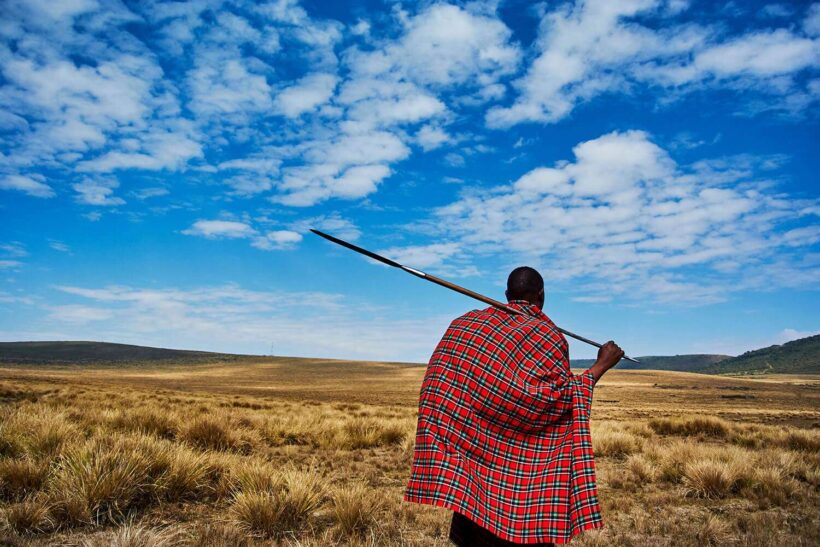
x: 503, y: 429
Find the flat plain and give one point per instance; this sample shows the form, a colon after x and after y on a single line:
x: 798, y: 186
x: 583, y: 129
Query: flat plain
x: 270, y: 451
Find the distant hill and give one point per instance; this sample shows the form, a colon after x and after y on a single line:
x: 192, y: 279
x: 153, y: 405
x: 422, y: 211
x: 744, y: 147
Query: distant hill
x: 799, y: 356
x: 99, y: 352
x: 684, y: 363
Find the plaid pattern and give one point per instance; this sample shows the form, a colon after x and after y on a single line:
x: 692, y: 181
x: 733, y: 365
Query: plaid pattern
x: 503, y: 429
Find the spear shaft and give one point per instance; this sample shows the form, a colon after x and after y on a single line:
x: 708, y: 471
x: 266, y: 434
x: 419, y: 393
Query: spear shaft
x: 449, y: 285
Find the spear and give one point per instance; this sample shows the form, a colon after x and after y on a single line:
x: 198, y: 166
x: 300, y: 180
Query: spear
x: 452, y: 286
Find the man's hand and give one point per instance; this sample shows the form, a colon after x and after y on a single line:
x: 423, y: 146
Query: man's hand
x: 608, y: 356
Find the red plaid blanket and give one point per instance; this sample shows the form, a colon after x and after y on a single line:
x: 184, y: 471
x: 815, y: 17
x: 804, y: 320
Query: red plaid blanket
x: 503, y: 429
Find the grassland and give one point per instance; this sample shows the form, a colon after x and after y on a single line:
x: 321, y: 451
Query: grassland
x: 317, y: 452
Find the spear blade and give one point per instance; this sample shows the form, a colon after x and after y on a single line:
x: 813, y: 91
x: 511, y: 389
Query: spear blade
x: 356, y: 248
x: 449, y: 285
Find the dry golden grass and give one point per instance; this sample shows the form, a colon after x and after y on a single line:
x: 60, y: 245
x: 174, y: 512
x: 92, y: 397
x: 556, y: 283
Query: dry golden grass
x: 354, y: 508
x: 314, y: 453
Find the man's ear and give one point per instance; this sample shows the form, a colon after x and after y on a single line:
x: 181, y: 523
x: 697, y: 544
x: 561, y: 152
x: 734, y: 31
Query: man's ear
x: 507, y: 295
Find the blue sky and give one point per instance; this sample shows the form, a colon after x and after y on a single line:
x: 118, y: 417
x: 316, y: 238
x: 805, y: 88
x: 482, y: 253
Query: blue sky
x: 161, y: 164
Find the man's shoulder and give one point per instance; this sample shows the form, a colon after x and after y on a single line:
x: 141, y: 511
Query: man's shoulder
x: 493, y: 318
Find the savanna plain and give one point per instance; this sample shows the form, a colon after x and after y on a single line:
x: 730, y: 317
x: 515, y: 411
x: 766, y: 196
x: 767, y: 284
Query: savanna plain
x: 278, y: 451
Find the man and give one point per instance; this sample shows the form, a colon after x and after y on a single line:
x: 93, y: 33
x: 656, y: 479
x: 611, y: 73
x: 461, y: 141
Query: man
x: 503, y: 429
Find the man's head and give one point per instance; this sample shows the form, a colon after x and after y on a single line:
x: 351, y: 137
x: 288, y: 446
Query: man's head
x: 524, y: 283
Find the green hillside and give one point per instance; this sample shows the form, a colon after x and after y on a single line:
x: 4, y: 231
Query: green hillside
x: 98, y: 352
x: 799, y: 356
x: 683, y: 363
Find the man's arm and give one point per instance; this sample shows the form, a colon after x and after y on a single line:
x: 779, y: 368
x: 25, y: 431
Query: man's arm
x: 608, y: 356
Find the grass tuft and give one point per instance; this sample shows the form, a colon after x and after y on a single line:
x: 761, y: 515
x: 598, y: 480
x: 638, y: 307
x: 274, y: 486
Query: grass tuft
x: 134, y: 535
x: 642, y: 469
x: 208, y: 433
x: 186, y: 475
x: 99, y: 482
x: 707, y: 426
x: 21, y: 478
x: 801, y: 439
x: 38, y: 432
x: 713, y: 478
x: 285, y: 509
x: 714, y: 531
x: 143, y: 420
x: 615, y: 443
x: 354, y: 508
x: 30, y: 516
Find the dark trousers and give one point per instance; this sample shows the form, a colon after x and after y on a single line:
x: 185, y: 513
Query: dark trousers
x: 466, y: 533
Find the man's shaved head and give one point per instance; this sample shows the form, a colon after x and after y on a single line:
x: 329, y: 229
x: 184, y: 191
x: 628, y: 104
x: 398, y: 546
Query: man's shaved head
x: 525, y: 283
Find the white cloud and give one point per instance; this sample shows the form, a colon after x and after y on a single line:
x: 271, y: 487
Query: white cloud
x: 383, y: 103
x: 454, y: 160
x: 150, y: 192
x: 31, y: 185
x: 444, y: 45
x: 230, y: 318
x: 215, y: 229
x: 446, y: 259
x: 353, y: 149
x: 10, y: 264
x: 592, y: 299
x: 361, y: 28
x: 334, y: 223
x: 393, y: 85
x: 97, y: 192
x: 267, y: 240
x: 79, y: 107
x: 306, y: 95
x: 255, y: 164
x: 360, y: 180
x: 598, y: 46
x: 349, y: 166
x: 431, y: 137
x: 255, y: 176
x: 812, y: 22
x: 776, y: 10
x: 801, y: 237
x: 13, y: 249
x: 80, y: 314
x: 8, y: 298
x: 160, y: 150
x: 789, y: 335
x: 758, y: 54
x: 224, y: 81
x: 82, y: 98
x: 277, y: 239
x: 578, y: 48
x: 91, y: 95
x: 737, y: 345
x: 248, y: 185
x: 228, y: 87
x: 626, y: 213
x: 421, y: 256
x: 59, y: 246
